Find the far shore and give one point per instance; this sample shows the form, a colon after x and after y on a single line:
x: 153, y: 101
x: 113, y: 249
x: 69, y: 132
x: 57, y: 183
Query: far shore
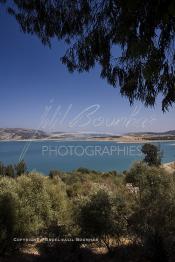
x: 123, y: 139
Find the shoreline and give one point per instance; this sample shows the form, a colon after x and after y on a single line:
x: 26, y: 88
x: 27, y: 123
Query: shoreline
x: 119, y: 141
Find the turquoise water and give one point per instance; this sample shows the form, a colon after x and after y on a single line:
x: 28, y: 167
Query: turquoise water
x: 44, y: 156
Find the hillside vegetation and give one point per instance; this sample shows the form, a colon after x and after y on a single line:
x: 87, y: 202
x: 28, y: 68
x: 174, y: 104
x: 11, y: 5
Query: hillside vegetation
x: 95, y: 216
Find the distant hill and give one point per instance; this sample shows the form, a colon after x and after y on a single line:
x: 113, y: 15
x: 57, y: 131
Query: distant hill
x: 151, y: 136
x: 27, y: 134
x: 21, y: 134
x: 171, y: 132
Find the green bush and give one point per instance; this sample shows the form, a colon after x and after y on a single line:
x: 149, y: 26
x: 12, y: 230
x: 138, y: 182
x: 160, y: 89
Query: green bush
x: 9, y: 171
x: 104, y: 217
x: 54, y: 173
x: 13, y: 170
x: 93, y: 206
x: 1, y: 169
x: 21, y: 168
x: 153, y: 219
x: 83, y: 170
x: 34, y: 203
x: 152, y: 154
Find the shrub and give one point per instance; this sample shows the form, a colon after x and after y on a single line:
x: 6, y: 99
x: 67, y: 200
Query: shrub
x: 21, y: 168
x: 153, y: 220
x: 29, y: 206
x: 54, y: 173
x: 83, y: 170
x: 2, y: 169
x: 9, y: 171
x: 103, y: 217
x: 152, y: 154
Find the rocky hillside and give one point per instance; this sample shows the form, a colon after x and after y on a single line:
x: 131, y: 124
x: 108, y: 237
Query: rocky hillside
x: 21, y: 134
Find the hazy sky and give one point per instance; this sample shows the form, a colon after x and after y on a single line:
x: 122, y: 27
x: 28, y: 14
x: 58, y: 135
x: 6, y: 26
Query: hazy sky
x: 37, y: 91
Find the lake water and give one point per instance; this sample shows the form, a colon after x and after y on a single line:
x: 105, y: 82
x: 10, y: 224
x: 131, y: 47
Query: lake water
x: 44, y: 156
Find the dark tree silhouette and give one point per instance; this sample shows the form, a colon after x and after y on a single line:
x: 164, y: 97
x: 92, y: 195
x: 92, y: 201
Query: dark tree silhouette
x: 21, y: 168
x: 10, y: 171
x: 152, y: 154
x: 143, y: 31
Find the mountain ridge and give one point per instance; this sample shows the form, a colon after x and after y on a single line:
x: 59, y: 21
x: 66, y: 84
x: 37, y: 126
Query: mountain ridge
x: 33, y: 134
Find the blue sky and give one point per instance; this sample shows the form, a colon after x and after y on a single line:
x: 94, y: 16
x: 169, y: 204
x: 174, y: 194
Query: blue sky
x: 33, y: 80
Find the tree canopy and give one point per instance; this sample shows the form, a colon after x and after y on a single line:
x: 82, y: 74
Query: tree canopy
x: 152, y: 154
x: 131, y: 40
